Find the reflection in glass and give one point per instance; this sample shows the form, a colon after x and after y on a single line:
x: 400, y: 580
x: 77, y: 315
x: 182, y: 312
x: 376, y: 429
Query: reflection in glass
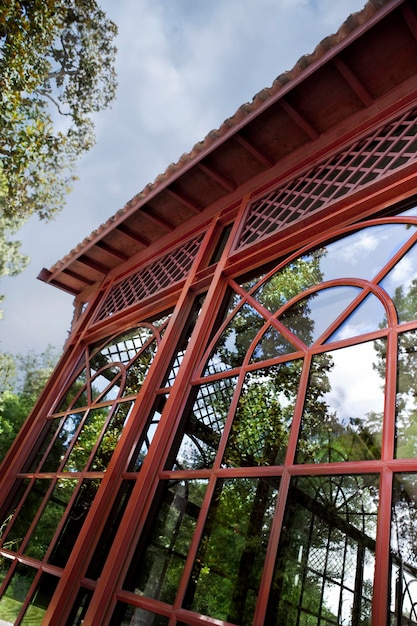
x: 234, y: 342
x: 403, y: 549
x: 76, y: 395
x: 291, y: 280
x: 73, y: 523
x: 138, y: 370
x: 109, y: 531
x: 365, y: 252
x: 105, y: 385
x: 226, y: 575
x: 120, y: 349
x: 147, y: 435
x: 273, y: 344
x: 401, y: 285
x: 370, y: 315
x: 79, y: 608
x: 9, y: 507
x: 157, y: 568
x: 40, y: 600
x: 111, y: 436
x: 261, y: 426
x: 361, y: 254
x: 86, y: 439
x: 125, y: 615
x: 406, y: 406
x: 325, y: 560
x: 24, y: 518
x: 51, y: 516
x: 49, y: 430
x: 310, y: 317
x: 62, y: 442
x: 343, y: 410
x: 16, y: 592
x: 204, y: 425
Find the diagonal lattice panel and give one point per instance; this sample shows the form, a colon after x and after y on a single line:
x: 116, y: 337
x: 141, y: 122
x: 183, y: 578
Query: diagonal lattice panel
x: 367, y: 160
x: 162, y: 273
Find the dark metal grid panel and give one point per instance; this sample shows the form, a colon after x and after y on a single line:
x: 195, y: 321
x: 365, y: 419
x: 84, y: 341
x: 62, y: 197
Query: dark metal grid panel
x: 151, y: 279
x: 365, y: 161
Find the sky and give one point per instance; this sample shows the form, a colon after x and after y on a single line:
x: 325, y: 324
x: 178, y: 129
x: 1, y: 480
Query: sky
x: 183, y: 67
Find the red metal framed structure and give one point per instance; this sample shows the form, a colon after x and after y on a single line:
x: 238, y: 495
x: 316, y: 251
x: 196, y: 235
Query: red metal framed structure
x: 187, y: 462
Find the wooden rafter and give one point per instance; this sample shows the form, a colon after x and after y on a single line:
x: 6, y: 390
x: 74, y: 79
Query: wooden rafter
x: 218, y: 178
x: 118, y: 254
x: 93, y: 264
x: 125, y: 230
x: 299, y: 119
x: 156, y: 220
x: 183, y: 200
x: 353, y: 81
x: 254, y: 151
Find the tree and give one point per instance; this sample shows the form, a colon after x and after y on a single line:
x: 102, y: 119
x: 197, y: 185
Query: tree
x: 19, y: 392
x: 56, y: 57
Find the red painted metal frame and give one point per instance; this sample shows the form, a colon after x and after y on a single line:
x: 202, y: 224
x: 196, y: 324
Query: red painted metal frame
x: 194, y: 278
x: 109, y: 587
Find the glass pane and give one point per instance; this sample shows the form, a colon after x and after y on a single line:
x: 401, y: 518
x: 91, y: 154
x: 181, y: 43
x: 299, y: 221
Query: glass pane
x: 228, y: 568
x: 50, y: 518
x: 73, y: 523
x: 79, y: 608
x: 261, y: 426
x: 204, y: 425
x: 361, y: 254
x: 403, y: 549
x: 157, y: 568
x: 365, y: 252
x: 76, y: 395
x: 406, y: 405
x: 9, y: 508
x: 125, y: 615
x: 86, y: 440
x: 272, y: 345
x: 401, y: 285
x: 232, y: 346
x: 16, y: 592
x: 290, y: 281
x: 5, y: 565
x: 25, y: 517
x: 183, y: 342
x: 309, y: 317
x: 40, y: 601
x: 49, y: 431
x: 370, y: 315
x: 112, y: 525
x: 147, y: 435
x: 325, y: 560
x: 121, y: 349
x: 111, y: 437
x: 137, y: 371
x: 105, y: 385
x: 343, y: 409
x: 62, y: 443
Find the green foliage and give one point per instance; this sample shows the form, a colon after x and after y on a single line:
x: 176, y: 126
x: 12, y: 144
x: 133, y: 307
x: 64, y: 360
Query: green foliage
x: 56, y: 56
x: 22, y: 379
x: 56, y: 63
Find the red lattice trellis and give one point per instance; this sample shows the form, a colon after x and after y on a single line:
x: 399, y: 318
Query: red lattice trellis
x: 390, y: 147
x: 155, y: 277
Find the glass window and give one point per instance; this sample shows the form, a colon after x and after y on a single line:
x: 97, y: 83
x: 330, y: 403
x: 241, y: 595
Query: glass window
x: 227, y: 571
x: 159, y: 562
x: 326, y: 555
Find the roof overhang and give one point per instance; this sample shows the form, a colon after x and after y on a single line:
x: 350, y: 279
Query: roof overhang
x: 352, y: 77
